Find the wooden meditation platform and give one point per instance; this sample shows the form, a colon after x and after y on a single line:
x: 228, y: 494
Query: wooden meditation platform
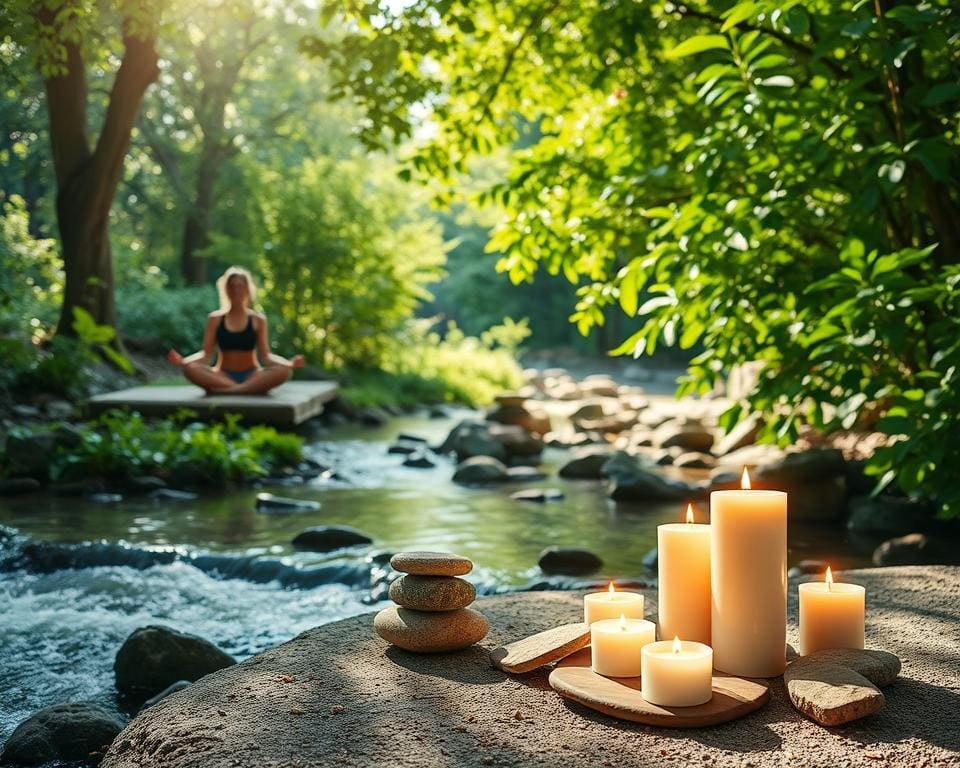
x: 287, y: 405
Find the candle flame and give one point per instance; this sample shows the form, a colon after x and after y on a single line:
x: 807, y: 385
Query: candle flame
x: 745, y: 480
x: 676, y: 645
x: 829, y: 578
x: 689, y: 513
x: 610, y: 589
x: 623, y: 623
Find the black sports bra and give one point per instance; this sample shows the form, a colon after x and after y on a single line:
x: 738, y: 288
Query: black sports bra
x: 236, y: 341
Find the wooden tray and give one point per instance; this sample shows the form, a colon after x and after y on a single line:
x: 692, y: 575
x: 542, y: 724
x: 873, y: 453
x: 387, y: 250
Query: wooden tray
x: 733, y: 697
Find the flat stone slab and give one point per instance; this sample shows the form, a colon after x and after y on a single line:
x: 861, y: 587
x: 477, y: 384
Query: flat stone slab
x: 542, y: 648
x: 352, y: 700
x: 879, y: 667
x: 287, y: 405
x: 829, y: 693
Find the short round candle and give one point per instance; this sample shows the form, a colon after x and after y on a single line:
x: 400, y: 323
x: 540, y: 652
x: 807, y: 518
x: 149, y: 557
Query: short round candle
x: 616, y: 644
x: 612, y: 604
x: 676, y: 673
x: 831, y: 615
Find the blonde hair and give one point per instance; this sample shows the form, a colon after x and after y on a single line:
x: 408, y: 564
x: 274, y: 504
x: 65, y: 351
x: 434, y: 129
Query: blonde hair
x: 225, y: 278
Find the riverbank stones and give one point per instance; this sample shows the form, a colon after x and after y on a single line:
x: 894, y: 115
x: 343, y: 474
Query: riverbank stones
x: 431, y: 615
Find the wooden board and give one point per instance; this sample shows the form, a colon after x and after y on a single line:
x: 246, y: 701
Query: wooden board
x: 541, y: 649
x: 287, y: 405
x: 733, y: 697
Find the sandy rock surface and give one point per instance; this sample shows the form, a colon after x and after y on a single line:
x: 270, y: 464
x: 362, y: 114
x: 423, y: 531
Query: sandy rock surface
x: 339, y: 695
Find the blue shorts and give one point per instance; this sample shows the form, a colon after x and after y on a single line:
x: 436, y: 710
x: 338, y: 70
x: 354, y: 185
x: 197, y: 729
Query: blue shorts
x: 241, y: 376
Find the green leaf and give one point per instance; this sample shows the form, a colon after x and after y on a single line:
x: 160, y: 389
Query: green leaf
x: 628, y: 292
x: 778, y: 81
x: 940, y: 93
x: 698, y: 44
x: 739, y: 12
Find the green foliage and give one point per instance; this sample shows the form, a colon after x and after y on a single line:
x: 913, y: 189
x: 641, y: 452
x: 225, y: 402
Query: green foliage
x: 772, y: 180
x: 426, y: 366
x: 30, y: 278
x: 159, y: 317
x: 345, y: 255
x: 120, y: 445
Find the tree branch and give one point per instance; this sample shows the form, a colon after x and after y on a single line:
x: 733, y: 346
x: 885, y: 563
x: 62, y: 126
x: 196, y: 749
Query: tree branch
x: 137, y: 70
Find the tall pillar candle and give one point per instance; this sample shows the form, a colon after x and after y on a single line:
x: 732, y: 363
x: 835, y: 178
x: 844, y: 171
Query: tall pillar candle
x: 683, y: 566
x: 748, y: 568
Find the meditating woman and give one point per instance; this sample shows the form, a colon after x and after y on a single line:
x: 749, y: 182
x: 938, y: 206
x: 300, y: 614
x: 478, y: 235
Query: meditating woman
x: 240, y: 335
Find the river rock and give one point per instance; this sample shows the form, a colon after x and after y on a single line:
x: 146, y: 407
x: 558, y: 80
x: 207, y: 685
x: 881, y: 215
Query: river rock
x: 515, y: 440
x: 690, y: 435
x: 432, y: 593
x: 694, y: 460
x: 890, y: 515
x: 17, y: 486
x: 799, y: 467
x: 535, y: 421
x: 154, y: 657
x: 480, y: 470
x: 145, y: 483
x: 586, y: 463
x: 422, y: 563
x: 830, y: 694
x: 404, y: 448
x: 172, y: 494
x: 540, y: 495
x: 74, y: 731
x: 588, y: 412
x: 177, y: 686
x: 29, y: 455
x: 599, y: 385
x: 569, y: 561
x: 267, y: 502
x: 419, y: 460
x: 423, y: 632
x: 879, y: 667
x: 916, y: 549
x: 326, y: 538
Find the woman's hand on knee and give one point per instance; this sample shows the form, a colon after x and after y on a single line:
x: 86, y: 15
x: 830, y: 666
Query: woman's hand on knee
x: 297, y: 361
x: 175, y: 357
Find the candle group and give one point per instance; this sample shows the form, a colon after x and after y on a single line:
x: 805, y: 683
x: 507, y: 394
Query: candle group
x: 723, y: 590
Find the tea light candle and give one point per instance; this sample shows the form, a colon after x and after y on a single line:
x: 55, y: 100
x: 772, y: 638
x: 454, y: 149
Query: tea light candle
x: 748, y: 579
x: 612, y: 605
x: 831, y: 615
x: 616, y: 645
x: 683, y: 565
x: 676, y: 674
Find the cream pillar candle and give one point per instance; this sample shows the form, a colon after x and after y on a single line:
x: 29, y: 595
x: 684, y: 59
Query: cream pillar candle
x: 615, y: 645
x: 612, y: 605
x: 831, y: 615
x: 748, y: 570
x: 676, y: 674
x: 683, y: 566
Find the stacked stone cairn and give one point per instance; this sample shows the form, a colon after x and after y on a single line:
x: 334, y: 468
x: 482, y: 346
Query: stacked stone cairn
x: 431, y: 613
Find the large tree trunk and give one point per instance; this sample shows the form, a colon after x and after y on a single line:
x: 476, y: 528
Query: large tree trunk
x: 87, y: 181
x: 196, y: 227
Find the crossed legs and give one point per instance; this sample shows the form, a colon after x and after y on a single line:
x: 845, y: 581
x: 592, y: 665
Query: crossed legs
x: 216, y: 382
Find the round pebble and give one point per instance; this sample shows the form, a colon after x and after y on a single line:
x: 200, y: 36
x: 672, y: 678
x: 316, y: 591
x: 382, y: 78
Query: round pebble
x: 431, y: 563
x: 422, y: 632
x: 432, y: 593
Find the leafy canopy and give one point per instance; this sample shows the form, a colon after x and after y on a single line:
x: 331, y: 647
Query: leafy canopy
x: 772, y: 180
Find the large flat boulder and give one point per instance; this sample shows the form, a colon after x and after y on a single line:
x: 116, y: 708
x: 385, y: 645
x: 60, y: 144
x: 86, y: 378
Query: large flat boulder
x: 338, y: 694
